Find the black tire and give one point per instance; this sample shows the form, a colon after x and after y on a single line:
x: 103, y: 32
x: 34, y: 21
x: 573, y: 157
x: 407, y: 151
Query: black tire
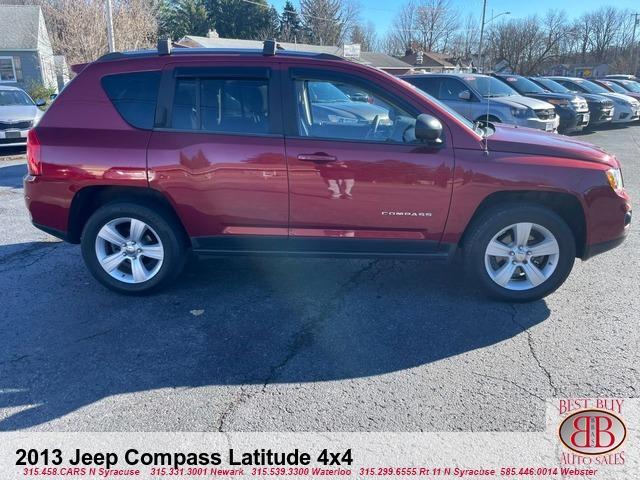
x: 164, y: 225
x: 490, y: 223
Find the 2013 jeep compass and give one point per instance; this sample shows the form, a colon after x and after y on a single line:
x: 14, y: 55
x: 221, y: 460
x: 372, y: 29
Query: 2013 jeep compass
x: 146, y: 156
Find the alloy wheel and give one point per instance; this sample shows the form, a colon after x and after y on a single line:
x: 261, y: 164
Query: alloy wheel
x: 129, y: 250
x: 522, y: 256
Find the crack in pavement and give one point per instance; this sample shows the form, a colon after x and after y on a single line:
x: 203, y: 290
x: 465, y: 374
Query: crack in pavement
x: 300, y: 341
x: 47, y: 246
x: 532, y: 350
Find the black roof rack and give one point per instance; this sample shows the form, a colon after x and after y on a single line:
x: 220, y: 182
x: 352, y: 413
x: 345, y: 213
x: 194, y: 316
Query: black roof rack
x: 270, y: 48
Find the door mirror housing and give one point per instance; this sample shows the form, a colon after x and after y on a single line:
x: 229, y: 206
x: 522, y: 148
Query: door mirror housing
x: 464, y: 95
x: 428, y: 129
x: 40, y: 102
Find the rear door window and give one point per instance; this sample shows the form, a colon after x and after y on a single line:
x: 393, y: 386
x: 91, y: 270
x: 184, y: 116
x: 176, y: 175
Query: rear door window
x: 134, y: 95
x: 428, y: 85
x: 221, y: 105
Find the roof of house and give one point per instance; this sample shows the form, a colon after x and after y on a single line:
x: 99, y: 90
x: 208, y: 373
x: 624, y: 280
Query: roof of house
x: 374, y: 59
x: 382, y: 60
x: 429, y: 59
x: 19, y: 27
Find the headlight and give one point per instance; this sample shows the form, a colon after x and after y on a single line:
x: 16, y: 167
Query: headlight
x: 614, y: 175
x: 520, y: 112
x: 558, y: 101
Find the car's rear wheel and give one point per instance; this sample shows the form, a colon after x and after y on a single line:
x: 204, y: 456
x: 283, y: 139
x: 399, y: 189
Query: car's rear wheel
x: 520, y: 253
x: 132, y: 248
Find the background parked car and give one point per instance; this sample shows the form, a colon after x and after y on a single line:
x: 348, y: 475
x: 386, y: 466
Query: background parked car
x: 18, y: 113
x: 331, y: 105
x: 627, y: 109
x: 631, y: 86
x: 600, y: 108
x: 612, y: 86
x: 622, y: 77
x: 572, y: 109
x: 354, y: 93
x: 482, y: 97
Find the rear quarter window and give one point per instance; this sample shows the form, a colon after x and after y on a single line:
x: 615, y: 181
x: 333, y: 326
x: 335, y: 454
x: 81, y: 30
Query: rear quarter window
x: 134, y: 95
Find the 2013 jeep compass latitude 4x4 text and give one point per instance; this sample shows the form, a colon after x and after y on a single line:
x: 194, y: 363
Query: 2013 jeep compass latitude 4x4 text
x: 146, y: 156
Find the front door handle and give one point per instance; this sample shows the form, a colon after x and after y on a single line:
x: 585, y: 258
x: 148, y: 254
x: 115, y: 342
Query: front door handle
x: 317, y: 157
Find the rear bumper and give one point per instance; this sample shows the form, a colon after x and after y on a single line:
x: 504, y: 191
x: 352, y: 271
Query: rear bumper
x: 52, y: 231
x: 48, y: 204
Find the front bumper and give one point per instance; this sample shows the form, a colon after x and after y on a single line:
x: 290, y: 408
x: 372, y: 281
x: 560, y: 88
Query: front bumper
x: 600, y: 115
x: 614, y: 227
x: 572, y: 120
x: 13, y: 137
x: 625, y: 114
x: 548, y: 125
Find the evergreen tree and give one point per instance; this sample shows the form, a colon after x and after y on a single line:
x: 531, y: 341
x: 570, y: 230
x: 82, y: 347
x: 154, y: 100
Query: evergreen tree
x: 177, y: 18
x: 290, y: 24
x: 238, y: 19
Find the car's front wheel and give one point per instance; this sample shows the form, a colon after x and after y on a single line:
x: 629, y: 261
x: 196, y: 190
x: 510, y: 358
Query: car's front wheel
x: 132, y: 248
x: 520, y: 253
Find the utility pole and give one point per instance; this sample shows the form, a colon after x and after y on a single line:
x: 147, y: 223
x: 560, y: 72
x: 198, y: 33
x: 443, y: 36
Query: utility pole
x: 484, y: 11
x: 112, y: 45
x: 634, y: 47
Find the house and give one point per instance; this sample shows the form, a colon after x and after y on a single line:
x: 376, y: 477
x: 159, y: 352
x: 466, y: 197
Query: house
x: 381, y: 61
x: 428, y: 61
x: 26, y: 56
x: 62, y: 71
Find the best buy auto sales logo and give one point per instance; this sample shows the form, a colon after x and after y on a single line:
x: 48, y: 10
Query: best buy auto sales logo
x: 593, y: 431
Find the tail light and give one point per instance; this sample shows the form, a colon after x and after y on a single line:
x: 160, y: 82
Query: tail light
x: 34, y: 162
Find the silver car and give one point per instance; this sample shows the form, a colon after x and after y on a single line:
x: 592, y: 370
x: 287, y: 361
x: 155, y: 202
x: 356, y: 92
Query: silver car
x: 480, y: 97
x: 18, y: 113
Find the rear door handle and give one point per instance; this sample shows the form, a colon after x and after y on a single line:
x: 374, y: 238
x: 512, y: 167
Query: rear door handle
x: 316, y: 157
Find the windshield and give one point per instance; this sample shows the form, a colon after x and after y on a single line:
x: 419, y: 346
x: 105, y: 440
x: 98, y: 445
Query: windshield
x: 523, y: 85
x: 552, y: 85
x: 14, y: 97
x: 590, y: 86
x: 615, y: 87
x: 489, y: 86
x: 325, y: 92
x: 631, y: 85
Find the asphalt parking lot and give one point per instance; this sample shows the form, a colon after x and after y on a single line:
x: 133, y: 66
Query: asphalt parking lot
x: 246, y: 344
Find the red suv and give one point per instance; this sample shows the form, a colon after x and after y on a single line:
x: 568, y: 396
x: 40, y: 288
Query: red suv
x: 146, y: 156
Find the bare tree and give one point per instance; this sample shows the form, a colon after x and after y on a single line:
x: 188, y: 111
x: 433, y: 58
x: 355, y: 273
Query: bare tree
x: 465, y: 41
x: 401, y: 35
x: 365, y: 35
x: 436, y: 23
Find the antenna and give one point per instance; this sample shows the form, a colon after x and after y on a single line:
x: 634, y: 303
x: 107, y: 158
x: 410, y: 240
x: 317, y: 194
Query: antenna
x: 485, y: 138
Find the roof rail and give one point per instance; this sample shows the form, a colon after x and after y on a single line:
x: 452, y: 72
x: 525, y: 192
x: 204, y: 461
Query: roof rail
x: 269, y: 47
x: 164, y: 46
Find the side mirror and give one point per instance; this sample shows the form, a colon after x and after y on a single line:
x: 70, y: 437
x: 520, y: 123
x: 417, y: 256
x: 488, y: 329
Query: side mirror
x: 428, y: 129
x: 40, y: 103
x: 53, y: 96
x: 464, y: 95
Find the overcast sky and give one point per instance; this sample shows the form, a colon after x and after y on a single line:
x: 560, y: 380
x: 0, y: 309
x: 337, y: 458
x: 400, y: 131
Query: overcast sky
x: 381, y: 12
